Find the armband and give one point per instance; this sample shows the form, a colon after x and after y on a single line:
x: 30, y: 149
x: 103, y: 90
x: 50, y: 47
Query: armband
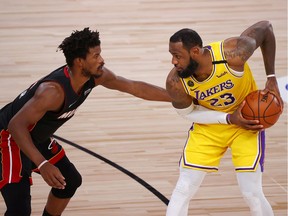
x: 41, y: 164
x: 185, y: 111
x: 228, y: 119
x: 202, y: 115
x: 271, y: 75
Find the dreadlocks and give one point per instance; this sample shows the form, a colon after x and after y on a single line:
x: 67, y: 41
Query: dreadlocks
x: 78, y: 43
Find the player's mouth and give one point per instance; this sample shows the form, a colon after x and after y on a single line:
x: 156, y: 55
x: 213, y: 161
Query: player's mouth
x: 179, y: 69
x: 100, y: 68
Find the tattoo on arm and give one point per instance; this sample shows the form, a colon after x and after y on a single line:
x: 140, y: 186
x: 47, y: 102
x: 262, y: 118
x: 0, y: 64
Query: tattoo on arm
x: 174, y: 87
x: 243, y: 50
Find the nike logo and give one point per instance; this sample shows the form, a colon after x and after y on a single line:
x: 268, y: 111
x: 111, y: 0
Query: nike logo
x: 22, y: 94
x: 87, y: 91
x: 50, y: 146
x: 193, y: 89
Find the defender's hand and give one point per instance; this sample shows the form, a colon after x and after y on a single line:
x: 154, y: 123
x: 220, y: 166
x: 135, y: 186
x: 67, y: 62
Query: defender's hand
x: 52, y: 175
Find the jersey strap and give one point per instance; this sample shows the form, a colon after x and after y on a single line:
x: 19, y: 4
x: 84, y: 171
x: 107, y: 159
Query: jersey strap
x: 220, y: 62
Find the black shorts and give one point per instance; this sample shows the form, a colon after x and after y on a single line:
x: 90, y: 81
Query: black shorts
x: 17, y: 196
x: 14, y: 164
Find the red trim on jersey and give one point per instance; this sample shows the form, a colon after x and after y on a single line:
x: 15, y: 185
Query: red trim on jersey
x: 66, y: 72
x: 54, y: 159
x: 31, y: 127
x: 10, y: 159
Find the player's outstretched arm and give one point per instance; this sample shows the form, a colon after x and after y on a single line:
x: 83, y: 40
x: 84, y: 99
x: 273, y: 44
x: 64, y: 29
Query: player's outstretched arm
x: 139, y: 89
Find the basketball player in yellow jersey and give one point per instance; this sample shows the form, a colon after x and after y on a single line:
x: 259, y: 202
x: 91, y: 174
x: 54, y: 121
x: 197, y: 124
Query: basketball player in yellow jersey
x: 208, y: 85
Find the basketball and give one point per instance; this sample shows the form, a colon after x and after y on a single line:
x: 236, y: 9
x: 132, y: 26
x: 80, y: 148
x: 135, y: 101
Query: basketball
x: 262, y: 106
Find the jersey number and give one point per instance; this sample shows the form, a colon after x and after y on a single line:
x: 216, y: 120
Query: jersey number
x: 224, y: 100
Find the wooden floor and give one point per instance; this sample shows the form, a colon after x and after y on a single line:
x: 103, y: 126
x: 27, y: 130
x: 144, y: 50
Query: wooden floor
x: 144, y: 137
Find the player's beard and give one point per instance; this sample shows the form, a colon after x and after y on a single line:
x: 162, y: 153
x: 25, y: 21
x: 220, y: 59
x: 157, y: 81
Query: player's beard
x: 85, y: 73
x: 88, y: 74
x: 189, y: 70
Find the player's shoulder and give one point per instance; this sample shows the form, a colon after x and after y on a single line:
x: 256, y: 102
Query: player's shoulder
x: 50, y: 88
x: 237, y: 51
x: 172, y: 76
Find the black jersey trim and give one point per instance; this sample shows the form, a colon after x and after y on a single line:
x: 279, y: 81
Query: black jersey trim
x: 219, y: 62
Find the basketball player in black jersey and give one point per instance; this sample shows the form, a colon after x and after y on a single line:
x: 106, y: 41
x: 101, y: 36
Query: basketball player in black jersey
x: 28, y: 123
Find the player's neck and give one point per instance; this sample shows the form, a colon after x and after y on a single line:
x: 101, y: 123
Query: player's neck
x: 77, y: 79
x: 204, y: 69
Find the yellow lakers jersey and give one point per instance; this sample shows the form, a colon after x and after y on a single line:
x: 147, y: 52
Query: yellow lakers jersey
x: 224, y: 89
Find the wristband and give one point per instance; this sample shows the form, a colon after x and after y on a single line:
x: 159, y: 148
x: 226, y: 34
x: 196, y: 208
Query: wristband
x: 185, y: 111
x: 271, y: 75
x: 228, y: 119
x: 41, y: 164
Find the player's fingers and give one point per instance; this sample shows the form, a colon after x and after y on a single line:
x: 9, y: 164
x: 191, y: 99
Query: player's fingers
x: 58, y: 182
x: 251, y: 122
x: 254, y: 127
x: 280, y: 101
x: 239, y: 109
x: 266, y: 90
x: 242, y: 105
x: 53, y: 177
x: 277, y: 94
x: 61, y: 179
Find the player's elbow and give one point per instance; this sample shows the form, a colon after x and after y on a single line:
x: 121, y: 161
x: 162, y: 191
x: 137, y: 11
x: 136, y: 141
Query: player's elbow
x: 15, y: 124
x: 266, y: 25
x: 12, y: 125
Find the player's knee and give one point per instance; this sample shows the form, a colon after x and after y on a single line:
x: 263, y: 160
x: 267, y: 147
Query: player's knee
x: 75, y: 178
x: 253, y: 201
x: 73, y: 181
x: 186, y: 188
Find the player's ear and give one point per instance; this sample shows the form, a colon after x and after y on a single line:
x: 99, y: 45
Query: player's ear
x: 79, y: 62
x: 194, y: 51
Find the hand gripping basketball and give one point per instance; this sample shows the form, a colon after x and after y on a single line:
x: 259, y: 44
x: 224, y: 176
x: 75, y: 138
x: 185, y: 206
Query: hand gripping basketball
x: 262, y: 106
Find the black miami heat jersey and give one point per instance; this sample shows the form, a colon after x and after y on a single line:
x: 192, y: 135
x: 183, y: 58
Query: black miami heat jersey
x: 51, y: 121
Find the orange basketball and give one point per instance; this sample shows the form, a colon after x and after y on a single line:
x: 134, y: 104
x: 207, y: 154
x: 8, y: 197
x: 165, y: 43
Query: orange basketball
x: 263, y: 107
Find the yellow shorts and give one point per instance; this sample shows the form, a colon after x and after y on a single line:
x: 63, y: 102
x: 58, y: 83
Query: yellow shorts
x: 206, y: 145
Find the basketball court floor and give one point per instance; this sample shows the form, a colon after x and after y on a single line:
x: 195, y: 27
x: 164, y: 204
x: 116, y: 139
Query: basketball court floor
x: 127, y: 149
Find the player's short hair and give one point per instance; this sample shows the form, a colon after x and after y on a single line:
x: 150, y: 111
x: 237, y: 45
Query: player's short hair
x: 188, y: 37
x: 78, y: 43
